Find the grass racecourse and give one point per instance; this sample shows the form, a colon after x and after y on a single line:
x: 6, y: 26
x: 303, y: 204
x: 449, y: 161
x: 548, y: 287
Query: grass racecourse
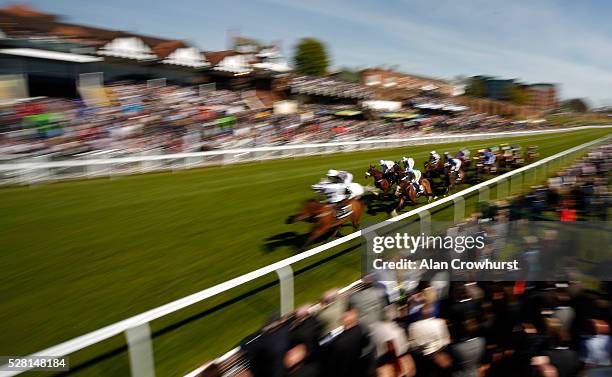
x: 80, y: 255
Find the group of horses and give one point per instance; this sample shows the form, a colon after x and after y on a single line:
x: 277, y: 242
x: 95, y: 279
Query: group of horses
x: 437, y: 177
x: 324, y: 215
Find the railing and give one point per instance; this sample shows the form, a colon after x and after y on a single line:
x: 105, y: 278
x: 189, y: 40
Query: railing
x: 137, y: 330
x: 40, y: 169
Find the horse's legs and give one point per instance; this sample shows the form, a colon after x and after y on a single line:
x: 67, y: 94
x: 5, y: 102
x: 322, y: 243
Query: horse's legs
x: 357, y: 209
x: 316, y: 232
x: 399, y: 206
x: 355, y: 219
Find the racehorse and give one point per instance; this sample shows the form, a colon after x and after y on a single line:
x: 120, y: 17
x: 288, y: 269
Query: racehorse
x: 405, y: 190
x: 466, y: 162
x: 397, y: 173
x: 486, y: 169
x: 450, y: 178
x: 325, y: 218
x: 380, y: 181
x: 432, y: 171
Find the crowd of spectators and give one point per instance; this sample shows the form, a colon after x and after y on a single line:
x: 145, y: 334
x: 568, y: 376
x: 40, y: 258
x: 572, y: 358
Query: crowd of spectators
x: 445, y: 325
x: 580, y: 192
x: 131, y: 118
x: 325, y: 86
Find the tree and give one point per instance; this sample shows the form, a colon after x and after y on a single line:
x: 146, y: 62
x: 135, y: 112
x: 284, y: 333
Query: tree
x: 311, y: 57
x: 476, y: 87
x: 517, y: 95
x: 576, y: 105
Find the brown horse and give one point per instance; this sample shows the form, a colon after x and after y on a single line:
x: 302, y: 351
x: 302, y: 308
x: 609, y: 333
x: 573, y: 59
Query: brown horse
x: 324, y: 217
x: 406, y: 191
x: 397, y: 173
x: 451, y: 179
x: 380, y: 181
x: 434, y: 170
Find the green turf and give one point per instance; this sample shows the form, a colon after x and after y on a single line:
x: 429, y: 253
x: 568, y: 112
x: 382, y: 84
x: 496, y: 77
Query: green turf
x: 80, y: 255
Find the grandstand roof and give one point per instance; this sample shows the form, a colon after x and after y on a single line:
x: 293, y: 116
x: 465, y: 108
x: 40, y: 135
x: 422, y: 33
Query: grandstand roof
x: 52, y: 55
x: 17, y: 19
x: 215, y: 57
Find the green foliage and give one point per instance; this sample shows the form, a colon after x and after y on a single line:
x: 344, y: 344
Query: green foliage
x: 517, y: 95
x: 476, y: 88
x: 577, y: 105
x: 311, y: 57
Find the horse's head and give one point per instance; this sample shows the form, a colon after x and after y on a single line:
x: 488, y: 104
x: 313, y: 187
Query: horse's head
x: 370, y: 171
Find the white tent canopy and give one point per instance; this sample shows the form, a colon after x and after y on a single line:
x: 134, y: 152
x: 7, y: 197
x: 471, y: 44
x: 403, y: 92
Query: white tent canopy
x: 128, y: 47
x: 383, y: 105
x: 186, y: 56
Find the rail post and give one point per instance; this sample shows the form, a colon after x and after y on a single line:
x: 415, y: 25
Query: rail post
x: 425, y: 222
x: 502, y: 189
x: 285, y: 279
x: 483, y: 194
x: 459, y: 207
x: 140, y: 349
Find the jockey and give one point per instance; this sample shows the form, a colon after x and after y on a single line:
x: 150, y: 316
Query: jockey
x: 454, y: 163
x: 386, y: 166
x: 341, y: 177
x: 413, y: 174
x: 489, y: 157
x: 434, y: 157
x: 336, y: 189
x: 463, y: 154
x: 408, y: 162
x: 332, y: 188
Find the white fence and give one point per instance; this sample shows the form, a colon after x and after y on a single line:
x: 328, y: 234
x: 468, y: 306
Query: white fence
x: 40, y: 169
x: 137, y: 330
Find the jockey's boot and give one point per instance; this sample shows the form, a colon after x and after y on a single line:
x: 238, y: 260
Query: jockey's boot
x: 343, y: 209
x: 417, y: 189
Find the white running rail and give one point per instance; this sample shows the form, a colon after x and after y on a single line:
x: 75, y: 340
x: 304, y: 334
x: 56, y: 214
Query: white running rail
x: 137, y: 330
x: 40, y: 169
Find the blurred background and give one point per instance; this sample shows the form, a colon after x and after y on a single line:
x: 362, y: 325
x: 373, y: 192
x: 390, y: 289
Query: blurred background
x: 234, y: 111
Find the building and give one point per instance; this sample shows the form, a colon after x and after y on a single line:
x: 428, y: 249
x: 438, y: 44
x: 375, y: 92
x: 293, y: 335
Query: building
x: 541, y: 96
x: 495, y: 107
x: 390, y: 80
x: 497, y: 89
x: 51, y: 55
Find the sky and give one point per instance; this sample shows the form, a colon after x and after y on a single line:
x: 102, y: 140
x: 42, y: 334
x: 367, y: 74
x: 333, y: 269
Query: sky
x: 568, y: 43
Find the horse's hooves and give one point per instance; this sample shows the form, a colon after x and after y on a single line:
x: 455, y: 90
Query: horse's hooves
x: 393, y: 213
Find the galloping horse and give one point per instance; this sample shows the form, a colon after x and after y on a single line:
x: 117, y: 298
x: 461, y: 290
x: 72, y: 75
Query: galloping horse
x: 324, y: 217
x: 380, y: 181
x: 398, y: 173
x: 405, y: 190
x: 466, y: 162
x: 432, y: 171
x: 450, y: 179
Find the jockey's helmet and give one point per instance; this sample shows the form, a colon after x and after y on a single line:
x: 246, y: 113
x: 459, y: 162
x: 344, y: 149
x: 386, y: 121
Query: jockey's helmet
x: 432, y: 153
x: 332, y: 173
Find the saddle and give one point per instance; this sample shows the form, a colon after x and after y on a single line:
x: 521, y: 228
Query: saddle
x: 343, y: 209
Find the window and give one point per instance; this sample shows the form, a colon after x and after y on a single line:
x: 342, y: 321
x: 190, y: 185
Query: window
x: 372, y: 79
